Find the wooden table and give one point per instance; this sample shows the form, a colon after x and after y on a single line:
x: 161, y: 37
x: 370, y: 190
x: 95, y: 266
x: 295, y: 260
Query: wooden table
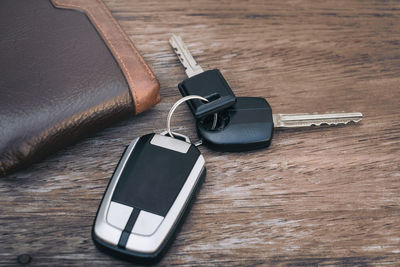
x: 318, y: 196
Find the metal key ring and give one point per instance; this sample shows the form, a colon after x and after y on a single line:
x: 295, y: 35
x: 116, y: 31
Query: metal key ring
x: 180, y: 101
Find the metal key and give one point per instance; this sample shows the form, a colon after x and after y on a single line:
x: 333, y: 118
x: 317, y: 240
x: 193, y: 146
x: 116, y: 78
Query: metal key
x: 185, y: 57
x: 250, y: 124
x: 209, y: 84
x: 306, y: 120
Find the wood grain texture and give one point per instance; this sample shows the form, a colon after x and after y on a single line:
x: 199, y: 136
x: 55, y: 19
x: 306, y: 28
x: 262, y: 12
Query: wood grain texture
x: 318, y: 196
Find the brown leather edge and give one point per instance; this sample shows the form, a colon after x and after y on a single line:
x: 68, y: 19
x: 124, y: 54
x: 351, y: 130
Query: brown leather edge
x: 141, y: 80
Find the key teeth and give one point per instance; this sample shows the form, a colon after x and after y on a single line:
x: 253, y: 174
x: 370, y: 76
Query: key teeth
x: 334, y: 123
x: 317, y: 124
x: 315, y: 119
x: 184, y: 55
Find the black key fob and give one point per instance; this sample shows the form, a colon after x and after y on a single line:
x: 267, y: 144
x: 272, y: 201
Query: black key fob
x: 245, y: 126
x: 209, y: 84
x: 148, y: 196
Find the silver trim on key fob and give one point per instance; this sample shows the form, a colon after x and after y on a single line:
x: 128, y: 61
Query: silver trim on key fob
x: 102, y: 228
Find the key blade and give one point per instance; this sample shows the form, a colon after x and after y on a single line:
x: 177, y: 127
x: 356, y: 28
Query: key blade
x: 305, y: 120
x: 184, y: 55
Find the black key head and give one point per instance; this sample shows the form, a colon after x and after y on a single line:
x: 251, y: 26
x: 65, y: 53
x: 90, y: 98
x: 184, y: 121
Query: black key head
x: 247, y: 125
x: 209, y: 84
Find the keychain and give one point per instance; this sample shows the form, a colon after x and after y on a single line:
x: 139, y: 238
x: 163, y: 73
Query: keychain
x: 149, y: 193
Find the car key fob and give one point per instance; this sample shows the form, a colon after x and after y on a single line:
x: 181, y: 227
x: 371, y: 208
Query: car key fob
x: 148, y: 196
x: 247, y: 125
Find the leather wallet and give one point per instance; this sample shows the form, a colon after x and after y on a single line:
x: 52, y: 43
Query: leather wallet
x: 66, y: 69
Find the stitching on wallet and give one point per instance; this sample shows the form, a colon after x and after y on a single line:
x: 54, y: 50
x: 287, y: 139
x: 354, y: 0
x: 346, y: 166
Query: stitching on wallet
x: 130, y: 81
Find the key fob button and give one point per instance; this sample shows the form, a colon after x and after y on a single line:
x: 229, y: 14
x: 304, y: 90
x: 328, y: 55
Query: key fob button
x: 118, y: 215
x: 146, y: 223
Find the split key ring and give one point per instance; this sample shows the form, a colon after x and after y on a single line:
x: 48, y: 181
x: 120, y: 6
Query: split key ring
x: 180, y: 101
